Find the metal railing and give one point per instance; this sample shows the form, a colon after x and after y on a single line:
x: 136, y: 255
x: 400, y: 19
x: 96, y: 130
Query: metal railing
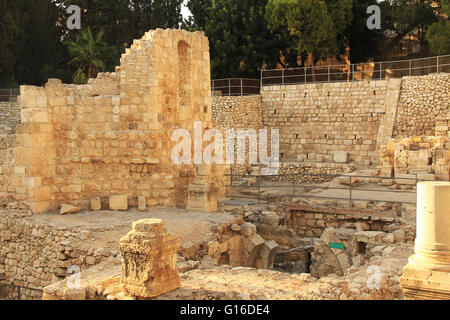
x: 356, y: 72
x: 9, y: 95
x: 293, y: 187
x: 235, y: 87
x: 18, y: 290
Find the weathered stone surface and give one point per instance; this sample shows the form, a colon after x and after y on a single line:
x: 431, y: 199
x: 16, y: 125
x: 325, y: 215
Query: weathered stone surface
x: 96, y: 204
x: 203, y: 192
x: 118, y: 203
x: 118, y: 130
x: 68, y: 209
x: 341, y: 157
x: 149, y: 260
x: 427, y: 275
x: 142, y: 205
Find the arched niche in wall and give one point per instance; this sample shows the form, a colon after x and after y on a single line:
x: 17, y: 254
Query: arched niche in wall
x: 184, y: 76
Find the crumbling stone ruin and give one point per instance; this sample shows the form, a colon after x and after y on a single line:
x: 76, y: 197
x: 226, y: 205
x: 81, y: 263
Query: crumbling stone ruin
x: 112, y: 137
x: 100, y: 154
x: 149, y: 260
x: 427, y: 274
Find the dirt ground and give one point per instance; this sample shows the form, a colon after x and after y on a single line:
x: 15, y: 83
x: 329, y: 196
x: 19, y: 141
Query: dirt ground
x: 107, y: 227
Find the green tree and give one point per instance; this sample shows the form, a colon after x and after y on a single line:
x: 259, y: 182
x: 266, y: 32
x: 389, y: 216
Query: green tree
x: 438, y: 34
x: 406, y: 16
x: 30, y: 36
x: 317, y: 27
x: 240, y: 41
x: 89, y: 53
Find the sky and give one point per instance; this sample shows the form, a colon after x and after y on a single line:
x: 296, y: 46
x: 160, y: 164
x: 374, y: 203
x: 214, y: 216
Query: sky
x: 185, y: 11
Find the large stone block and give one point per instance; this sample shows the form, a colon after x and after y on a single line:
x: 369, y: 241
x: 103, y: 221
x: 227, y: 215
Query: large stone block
x: 96, y: 204
x: 149, y: 260
x: 341, y: 157
x: 118, y: 203
x: 427, y: 275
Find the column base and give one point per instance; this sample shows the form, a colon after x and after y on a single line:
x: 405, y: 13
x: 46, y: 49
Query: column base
x: 419, y: 283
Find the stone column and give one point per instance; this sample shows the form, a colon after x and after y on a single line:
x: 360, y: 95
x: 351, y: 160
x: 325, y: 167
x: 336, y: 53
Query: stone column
x: 149, y: 260
x: 427, y: 275
x: 202, y: 193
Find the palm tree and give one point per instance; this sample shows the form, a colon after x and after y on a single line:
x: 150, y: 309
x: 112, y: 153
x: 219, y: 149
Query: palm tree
x: 88, y: 54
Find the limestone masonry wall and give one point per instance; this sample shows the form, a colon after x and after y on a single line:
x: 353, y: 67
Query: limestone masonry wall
x: 36, y: 255
x: 342, y: 122
x: 424, y: 107
x: 237, y: 112
x: 317, y: 120
x: 9, y: 117
x: 428, y: 158
x: 113, y: 135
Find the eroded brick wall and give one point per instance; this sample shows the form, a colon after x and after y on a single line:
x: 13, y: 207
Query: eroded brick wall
x: 424, y: 158
x: 113, y: 135
x: 424, y: 107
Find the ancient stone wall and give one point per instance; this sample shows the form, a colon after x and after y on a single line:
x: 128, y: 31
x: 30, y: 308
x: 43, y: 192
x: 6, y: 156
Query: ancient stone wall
x: 11, y: 188
x: 9, y: 117
x: 424, y: 107
x: 113, y: 135
x: 423, y: 158
x: 35, y: 255
x: 318, y: 120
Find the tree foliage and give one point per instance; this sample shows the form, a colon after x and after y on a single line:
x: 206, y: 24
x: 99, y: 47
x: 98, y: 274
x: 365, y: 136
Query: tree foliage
x: 317, y: 27
x: 30, y: 41
x: 88, y: 54
x: 240, y: 40
x: 32, y: 33
x: 438, y: 34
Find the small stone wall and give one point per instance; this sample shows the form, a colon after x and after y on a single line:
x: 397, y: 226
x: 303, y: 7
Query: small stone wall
x: 36, y: 255
x: 424, y: 107
x: 424, y: 158
x: 317, y: 120
x: 113, y: 135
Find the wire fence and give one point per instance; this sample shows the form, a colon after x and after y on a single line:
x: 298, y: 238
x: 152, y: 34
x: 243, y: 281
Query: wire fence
x: 356, y: 72
x: 13, y: 292
x: 9, y: 95
x: 235, y: 87
x: 348, y: 190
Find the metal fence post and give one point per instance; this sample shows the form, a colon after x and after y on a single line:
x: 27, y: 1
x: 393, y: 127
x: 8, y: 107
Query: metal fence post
x: 242, y: 90
x: 353, y: 72
x: 304, y: 68
x: 329, y: 79
x: 437, y: 64
x: 351, y: 196
x: 229, y: 87
x: 381, y: 70
x: 410, y: 62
